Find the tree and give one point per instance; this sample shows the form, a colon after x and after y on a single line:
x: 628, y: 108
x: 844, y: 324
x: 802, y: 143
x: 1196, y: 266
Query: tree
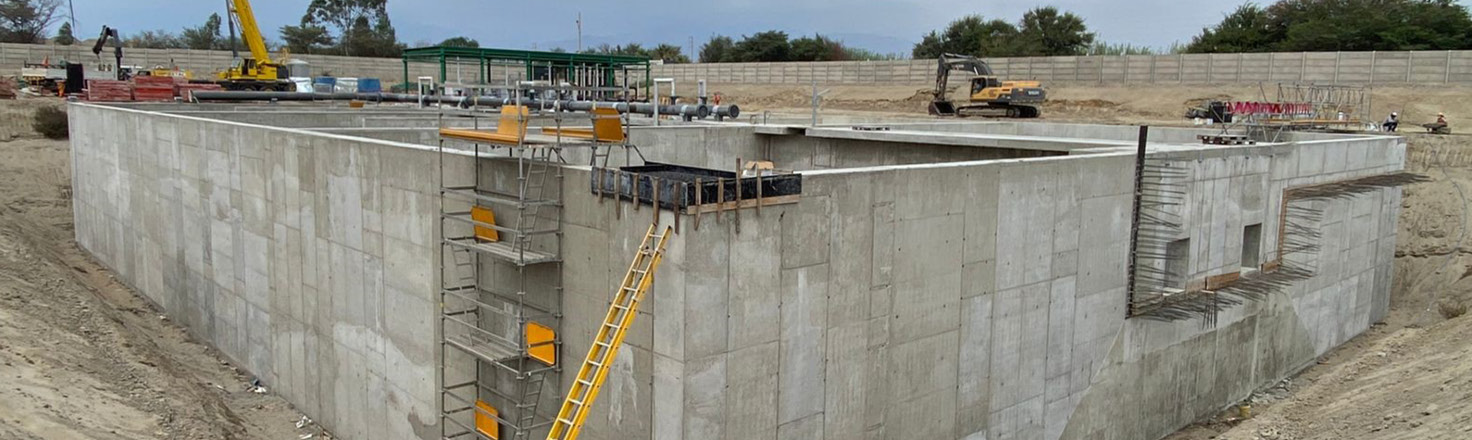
x: 1046, y: 32
x: 206, y: 36
x: 669, y: 53
x: 345, y: 15
x: 308, y: 37
x: 64, y: 35
x: 372, y: 40
x: 157, y: 39
x: 818, y: 48
x: 26, y: 21
x: 764, y: 46
x: 972, y: 35
x: 460, y: 42
x: 1340, y: 25
x: 719, y: 49
x: 1247, y: 29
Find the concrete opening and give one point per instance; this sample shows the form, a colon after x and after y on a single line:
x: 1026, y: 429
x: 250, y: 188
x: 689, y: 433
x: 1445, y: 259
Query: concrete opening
x: 1177, y: 263
x: 1251, y: 246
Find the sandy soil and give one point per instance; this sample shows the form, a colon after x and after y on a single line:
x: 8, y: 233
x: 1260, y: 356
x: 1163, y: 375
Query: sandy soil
x: 81, y: 355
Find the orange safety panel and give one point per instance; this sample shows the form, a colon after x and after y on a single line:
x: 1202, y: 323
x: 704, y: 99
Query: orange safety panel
x: 484, y: 215
x: 540, y: 343
x: 485, y: 420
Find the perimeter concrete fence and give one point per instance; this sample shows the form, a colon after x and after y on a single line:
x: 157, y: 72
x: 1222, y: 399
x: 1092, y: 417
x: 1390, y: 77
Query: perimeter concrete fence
x: 1413, y: 67
x: 1420, y: 67
x: 203, y: 63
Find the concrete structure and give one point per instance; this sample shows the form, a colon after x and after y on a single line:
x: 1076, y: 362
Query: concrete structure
x: 1414, y: 67
x: 938, y: 280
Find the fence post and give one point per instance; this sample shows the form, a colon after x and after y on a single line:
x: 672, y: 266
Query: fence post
x: 1302, y: 65
x: 1338, y: 57
x: 1271, y: 65
x: 1126, y: 68
x: 1240, y: 59
x: 1209, y: 62
x: 1410, y: 65
x: 1448, y: 72
x: 1372, y: 67
x: 1078, y: 65
x: 1153, y: 79
x: 1180, y: 69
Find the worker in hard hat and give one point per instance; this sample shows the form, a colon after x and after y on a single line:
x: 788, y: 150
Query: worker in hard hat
x: 1438, y: 127
x: 1391, y: 122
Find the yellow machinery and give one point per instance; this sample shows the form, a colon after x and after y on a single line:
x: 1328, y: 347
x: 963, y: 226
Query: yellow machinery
x: 1013, y: 99
x: 257, y: 71
x: 585, y: 386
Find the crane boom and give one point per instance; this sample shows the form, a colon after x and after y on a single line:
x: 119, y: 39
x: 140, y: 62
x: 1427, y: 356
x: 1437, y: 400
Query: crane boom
x: 250, y: 32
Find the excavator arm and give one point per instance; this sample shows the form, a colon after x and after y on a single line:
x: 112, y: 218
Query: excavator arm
x: 117, y: 47
x: 951, y: 62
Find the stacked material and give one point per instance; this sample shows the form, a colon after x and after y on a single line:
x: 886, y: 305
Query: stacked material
x: 153, y: 88
x: 109, y: 90
x: 187, y: 90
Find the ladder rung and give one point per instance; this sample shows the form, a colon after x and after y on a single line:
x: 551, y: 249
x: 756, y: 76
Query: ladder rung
x: 585, y: 382
x: 610, y: 325
x: 564, y: 421
x: 605, y: 344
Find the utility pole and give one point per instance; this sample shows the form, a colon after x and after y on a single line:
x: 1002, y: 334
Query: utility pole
x: 693, y: 55
x: 72, y: 13
x: 580, y: 32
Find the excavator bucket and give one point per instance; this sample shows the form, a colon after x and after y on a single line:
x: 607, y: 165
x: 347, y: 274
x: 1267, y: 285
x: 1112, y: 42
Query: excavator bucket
x: 942, y: 108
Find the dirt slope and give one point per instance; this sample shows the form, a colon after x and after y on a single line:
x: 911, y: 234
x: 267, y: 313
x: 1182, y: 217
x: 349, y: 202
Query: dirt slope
x: 82, y: 356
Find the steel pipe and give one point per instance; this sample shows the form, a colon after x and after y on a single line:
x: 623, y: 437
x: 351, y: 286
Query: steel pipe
x: 687, y: 111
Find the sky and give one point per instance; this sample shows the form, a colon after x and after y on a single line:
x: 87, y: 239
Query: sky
x: 885, y: 26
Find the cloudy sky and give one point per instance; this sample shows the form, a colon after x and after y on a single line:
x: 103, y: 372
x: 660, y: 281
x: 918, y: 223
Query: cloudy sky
x: 882, y: 25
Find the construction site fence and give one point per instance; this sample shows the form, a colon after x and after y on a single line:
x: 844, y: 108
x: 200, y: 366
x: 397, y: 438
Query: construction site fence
x: 1361, y: 68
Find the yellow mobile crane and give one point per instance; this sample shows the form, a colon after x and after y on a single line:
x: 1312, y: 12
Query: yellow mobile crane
x: 257, y: 71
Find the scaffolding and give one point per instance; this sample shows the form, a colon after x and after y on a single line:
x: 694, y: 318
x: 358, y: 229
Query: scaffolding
x: 501, y: 262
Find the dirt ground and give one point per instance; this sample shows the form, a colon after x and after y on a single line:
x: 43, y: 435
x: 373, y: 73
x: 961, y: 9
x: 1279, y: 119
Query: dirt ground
x: 82, y: 356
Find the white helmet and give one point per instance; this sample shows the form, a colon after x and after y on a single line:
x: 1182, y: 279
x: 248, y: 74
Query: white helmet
x: 1394, y: 114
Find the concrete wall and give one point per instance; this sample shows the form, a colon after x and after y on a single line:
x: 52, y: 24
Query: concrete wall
x: 1417, y: 67
x: 987, y: 300
x: 306, y: 259
x: 1414, y: 67
x: 961, y: 300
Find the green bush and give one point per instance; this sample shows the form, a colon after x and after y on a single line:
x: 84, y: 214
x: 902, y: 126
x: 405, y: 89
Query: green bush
x: 51, y: 123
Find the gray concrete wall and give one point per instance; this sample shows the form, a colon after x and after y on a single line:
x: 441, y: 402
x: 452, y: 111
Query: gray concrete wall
x: 960, y: 300
x: 1416, y: 67
x: 306, y: 259
x: 986, y: 300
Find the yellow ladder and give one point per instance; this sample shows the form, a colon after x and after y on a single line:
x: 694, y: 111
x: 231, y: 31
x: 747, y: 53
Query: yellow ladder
x: 569, y: 422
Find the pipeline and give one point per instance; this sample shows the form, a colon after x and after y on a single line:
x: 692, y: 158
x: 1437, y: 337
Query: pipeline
x: 685, y: 111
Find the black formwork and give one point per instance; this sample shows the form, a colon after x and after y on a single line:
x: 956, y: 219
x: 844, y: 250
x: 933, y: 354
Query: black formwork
x: 678, y: 186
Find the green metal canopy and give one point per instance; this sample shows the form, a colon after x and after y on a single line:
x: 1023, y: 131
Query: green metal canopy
x: 546, y: 63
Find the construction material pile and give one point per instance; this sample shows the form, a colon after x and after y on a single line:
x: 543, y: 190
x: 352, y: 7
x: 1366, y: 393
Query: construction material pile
x: 109, y: 90
x: 153, y: 88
